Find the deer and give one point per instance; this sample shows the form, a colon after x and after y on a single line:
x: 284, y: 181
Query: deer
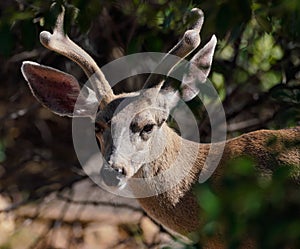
x: 145, y: 146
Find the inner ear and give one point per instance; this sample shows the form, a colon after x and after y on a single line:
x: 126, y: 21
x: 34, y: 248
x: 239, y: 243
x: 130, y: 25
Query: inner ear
x: 52, y: 88
x: 59, y: 91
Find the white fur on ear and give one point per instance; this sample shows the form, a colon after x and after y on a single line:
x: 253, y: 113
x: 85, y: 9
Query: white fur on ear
x: 199, y: 70
x: 87, y: 103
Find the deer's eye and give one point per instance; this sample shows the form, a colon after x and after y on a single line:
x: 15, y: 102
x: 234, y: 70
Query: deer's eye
x: 147, y: 129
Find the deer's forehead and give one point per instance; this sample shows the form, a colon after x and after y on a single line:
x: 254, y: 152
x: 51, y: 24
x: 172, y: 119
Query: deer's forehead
x: 129, y: 108
x: 134, y: 114
x: 143, y: 117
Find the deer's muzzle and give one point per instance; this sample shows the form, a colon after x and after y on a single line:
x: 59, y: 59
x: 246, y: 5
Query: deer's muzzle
x: 113, y: 176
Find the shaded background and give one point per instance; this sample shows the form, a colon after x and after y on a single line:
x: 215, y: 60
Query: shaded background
x: 46, y: 200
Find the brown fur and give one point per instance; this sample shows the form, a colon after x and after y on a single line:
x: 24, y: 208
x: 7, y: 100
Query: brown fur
x: 177, y: 208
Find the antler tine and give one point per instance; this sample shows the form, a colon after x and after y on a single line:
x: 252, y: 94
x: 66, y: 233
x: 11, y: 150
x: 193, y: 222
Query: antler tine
x: 189, y: 42
x: 61, y: 43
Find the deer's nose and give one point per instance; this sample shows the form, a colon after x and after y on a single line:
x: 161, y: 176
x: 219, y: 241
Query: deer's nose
x: 113, y: 175
x: 120, y: 169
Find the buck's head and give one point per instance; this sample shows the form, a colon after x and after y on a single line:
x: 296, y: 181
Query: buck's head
x: 131, y: 128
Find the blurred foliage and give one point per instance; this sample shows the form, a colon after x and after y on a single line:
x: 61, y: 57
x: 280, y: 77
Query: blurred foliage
x: 256, y: 71
x: 250, y: 206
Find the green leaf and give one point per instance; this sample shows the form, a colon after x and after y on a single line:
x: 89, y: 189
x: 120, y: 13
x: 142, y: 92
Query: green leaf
x: 208, y: 201
x: 264, y: 23
x: 6, y: 41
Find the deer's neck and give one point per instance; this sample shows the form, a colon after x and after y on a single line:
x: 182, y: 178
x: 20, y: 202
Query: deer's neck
x: 177, y: 207
x: 177, y: 168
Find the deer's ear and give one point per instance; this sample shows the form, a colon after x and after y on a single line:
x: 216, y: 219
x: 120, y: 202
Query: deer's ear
x: 57, y: 90
x: 198, y: 70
